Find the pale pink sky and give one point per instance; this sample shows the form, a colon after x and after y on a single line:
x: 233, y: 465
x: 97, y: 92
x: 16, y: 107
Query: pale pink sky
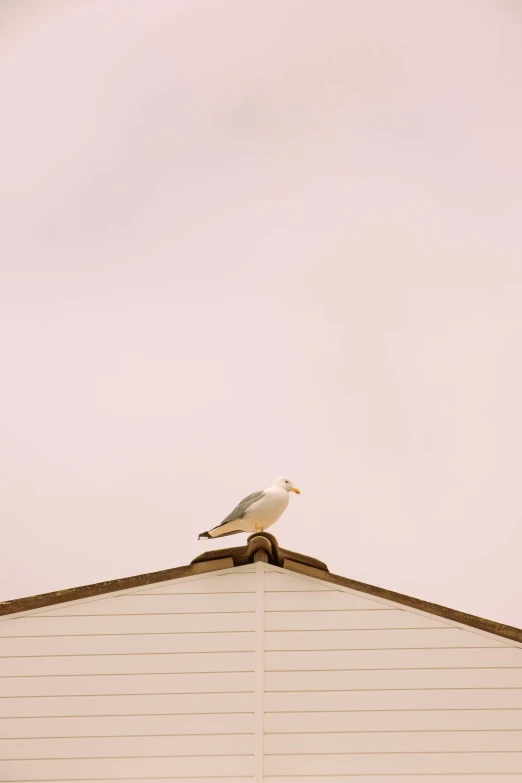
x: 253, y: 237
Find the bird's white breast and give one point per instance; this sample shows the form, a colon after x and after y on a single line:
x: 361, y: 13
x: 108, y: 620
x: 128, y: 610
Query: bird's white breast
x: 268, y: 510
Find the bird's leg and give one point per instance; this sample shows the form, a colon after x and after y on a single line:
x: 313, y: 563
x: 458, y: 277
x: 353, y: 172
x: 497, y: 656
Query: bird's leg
x: 258, y: 528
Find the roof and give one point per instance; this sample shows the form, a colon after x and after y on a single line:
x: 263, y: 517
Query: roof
x: 265, y: 547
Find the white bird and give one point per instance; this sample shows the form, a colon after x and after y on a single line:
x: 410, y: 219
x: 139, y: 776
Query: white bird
x: 257, y: 511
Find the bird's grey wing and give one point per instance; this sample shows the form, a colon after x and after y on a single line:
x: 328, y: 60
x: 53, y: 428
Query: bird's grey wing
x: 241, y: 508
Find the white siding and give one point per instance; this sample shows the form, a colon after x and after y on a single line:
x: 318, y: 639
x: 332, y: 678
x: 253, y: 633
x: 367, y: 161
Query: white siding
x: 126, y: 624
x: 411, y: 762
x: 127, y: 644
x: 153, y: 663
x: 211, y: 768
x: 387, y: 778
x: 423, y: 658
x: 393, y: 742
x: 361, y: 689
x: 121, y: 747
x: 349, y: 721
x: 131, y: 726
x: 391, y: 679
x: 116, y: 684
x: 156, y: 682
x: 255, y: 674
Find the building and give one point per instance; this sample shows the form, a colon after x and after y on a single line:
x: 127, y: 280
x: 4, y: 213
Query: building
x: 255, y: 663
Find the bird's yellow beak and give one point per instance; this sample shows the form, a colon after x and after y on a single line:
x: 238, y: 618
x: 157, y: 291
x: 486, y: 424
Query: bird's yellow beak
x: 294, y: 489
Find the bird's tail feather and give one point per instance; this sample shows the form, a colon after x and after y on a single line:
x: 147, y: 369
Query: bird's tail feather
x: 207, y: 533
x: 230, y: 533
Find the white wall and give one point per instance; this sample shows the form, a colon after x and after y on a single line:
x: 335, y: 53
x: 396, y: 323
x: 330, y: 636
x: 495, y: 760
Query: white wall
x: 359, y: 689
x: 146, y: 683
x: 254, y: 674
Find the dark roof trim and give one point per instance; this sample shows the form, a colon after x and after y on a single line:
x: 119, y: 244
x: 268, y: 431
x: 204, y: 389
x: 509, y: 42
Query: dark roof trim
x: 481, y: 624
x: 100, y: 588
x: 238, y: 556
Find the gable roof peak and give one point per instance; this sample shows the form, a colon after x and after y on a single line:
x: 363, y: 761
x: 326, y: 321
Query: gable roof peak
x: 262, y: 547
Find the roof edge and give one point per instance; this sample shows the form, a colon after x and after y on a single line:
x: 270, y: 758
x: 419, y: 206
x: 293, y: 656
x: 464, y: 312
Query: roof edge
x: 471, y: 620
x: 43, y: 600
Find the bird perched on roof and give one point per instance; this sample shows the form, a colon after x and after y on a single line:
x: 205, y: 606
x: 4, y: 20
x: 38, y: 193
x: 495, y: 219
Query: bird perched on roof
x: 257, y: 511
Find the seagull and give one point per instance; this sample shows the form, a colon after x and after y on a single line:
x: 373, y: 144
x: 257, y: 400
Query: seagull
x: 257, y: 511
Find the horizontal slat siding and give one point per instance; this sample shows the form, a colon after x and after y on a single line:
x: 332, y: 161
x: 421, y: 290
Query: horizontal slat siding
x: 377, y: 691
x: 305, y: 660
x: 127, y: 768
x: 50, y: 625
x: 393, y: 679
x: 375, y: 639
x: 309, y: 601
x: 355, y: 688
x: 278, y: 581
x: 161, y: 663
x: 97, y: 684
x: 393, y: 763
x: 154, y: 704
x: 240, y: 582
x: 340, y: 620
x: 320, y: 701
x: 423, y: 778
x: 151, y: 603
x: 173, y: 659
x: 125, y: 644
x: 83, y: 747
x: 395, y: 720
x: 130, y: 725
x: 394, y: 742
x: 205, y: 586
x: 147, y: 779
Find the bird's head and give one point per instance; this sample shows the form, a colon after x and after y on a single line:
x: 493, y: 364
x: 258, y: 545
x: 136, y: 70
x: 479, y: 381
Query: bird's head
x: 285, y: 483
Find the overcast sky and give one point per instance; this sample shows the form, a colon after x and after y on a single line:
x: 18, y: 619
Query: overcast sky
x: 247, y: 238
